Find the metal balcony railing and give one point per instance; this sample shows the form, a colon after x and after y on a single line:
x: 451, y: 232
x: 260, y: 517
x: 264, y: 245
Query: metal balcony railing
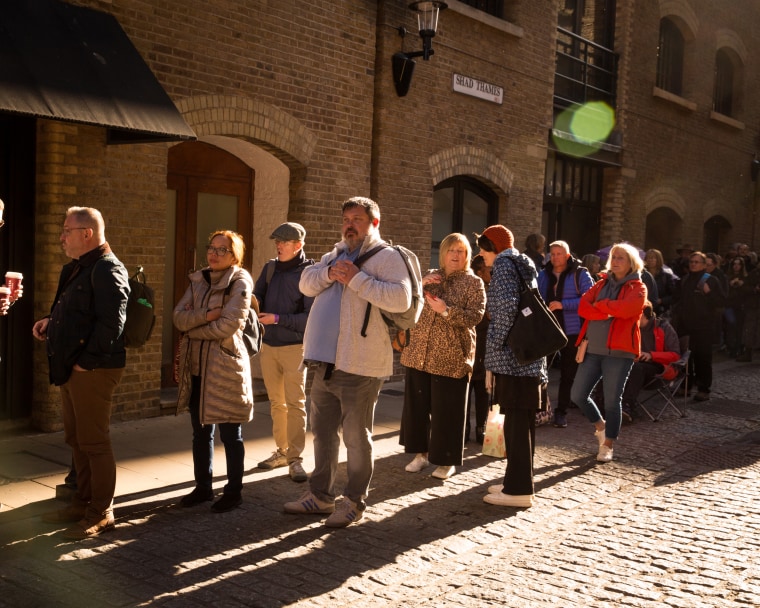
x: 585, y: 71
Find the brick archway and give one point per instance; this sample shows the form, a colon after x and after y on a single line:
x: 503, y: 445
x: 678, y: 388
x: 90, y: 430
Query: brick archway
x: 665, y: 197
x: 272, y: 129
x: 472, y: 161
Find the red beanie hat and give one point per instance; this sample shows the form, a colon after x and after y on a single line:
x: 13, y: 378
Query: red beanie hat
x: 500, y: 236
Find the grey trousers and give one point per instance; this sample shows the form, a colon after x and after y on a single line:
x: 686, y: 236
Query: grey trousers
x: 347, y: 401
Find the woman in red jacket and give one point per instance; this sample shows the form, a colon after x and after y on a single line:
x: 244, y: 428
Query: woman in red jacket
x: 611, y: 309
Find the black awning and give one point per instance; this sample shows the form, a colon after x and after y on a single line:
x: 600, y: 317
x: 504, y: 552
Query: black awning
x: 71, y: 63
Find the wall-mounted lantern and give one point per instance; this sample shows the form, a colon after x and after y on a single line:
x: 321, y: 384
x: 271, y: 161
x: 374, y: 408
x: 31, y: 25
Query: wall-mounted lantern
x: 403, y: 63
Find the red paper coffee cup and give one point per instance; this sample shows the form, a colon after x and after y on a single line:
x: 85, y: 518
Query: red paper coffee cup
x: 13, y: 281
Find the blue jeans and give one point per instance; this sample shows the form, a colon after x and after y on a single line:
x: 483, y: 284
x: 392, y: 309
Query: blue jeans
x: 231, y: 434
x: 348, y: 401
x: 615, y: 372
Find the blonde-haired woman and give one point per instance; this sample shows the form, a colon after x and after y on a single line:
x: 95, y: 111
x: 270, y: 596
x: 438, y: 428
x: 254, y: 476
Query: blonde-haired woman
x: 215, y: 371
x: 439, y: 360
x: 611, y: 309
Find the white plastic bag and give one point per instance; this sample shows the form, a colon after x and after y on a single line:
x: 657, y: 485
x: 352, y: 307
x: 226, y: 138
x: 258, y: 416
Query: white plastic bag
x: 493, y: 441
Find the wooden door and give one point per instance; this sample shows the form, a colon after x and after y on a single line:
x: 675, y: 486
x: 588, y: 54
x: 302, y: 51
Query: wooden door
x: 213, y: 191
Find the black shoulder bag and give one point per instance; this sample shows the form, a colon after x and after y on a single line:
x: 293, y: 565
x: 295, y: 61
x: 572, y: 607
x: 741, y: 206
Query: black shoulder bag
x: 535, y: 331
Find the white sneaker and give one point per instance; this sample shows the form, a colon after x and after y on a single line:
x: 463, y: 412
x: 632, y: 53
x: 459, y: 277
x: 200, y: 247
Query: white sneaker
x: 444, y: 472
x: 495, y: 489
x: 297, y: 472
x: 600, y: 436
x: 346, y: 514
x: 308, y: 503
x: 605, y: 454
x: 508, y: 500
x: 419, y: 463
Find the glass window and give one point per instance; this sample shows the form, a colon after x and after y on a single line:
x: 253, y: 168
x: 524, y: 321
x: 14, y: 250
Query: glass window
x: 670, y: 56
x: 492, y: 7
x: 723, y: 97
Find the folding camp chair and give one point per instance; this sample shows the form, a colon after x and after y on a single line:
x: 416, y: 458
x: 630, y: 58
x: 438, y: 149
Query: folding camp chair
x: 666, y: 389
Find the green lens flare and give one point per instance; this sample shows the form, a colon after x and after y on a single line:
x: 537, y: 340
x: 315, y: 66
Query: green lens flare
x: 580, y: 130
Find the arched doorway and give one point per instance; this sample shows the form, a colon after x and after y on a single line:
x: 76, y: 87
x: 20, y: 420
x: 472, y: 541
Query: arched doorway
x: 461, y: 204
x: 663, y: 232
x: 715, y: 234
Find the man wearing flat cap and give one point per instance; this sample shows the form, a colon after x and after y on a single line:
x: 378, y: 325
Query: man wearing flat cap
x: 284, y: 310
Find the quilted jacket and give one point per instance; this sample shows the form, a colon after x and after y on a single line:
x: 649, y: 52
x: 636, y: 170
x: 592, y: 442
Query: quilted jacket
x: 215, y: 350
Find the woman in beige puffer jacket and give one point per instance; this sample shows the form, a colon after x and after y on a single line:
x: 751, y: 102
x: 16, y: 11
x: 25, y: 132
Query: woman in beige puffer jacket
x: 215, y: 381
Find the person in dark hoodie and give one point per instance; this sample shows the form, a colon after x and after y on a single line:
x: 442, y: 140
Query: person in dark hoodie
x: 561, y: 283
x: 517, y: 387
x: 611, y: 309
x: 284, y: 311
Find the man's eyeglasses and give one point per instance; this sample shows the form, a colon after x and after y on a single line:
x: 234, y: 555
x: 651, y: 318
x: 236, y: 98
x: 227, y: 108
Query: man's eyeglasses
x: 220, y: 251
x: 68, y: 231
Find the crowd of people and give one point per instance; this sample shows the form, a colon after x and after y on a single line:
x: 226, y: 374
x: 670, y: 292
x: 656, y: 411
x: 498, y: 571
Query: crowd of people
x: 626, y: 318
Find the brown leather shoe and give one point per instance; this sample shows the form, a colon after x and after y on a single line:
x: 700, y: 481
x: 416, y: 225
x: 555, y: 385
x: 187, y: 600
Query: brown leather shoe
x: 68, y: 515
x: 87, y: 529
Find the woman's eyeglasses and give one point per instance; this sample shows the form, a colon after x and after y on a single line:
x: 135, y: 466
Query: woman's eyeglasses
x: 220, y: 251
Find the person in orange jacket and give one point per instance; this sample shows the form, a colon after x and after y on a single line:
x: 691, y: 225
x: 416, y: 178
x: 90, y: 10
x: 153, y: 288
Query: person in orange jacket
x: 611, y: 309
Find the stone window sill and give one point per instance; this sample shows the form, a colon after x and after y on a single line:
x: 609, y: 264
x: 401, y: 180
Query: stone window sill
x: 727, y: 120
x: 674, y: 99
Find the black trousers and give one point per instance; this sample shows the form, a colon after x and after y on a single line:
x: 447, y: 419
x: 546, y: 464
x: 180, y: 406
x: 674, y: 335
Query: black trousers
x: 480, y: 392
x: 519, y: 398
x: 700, y: 362
x: 433, y: 416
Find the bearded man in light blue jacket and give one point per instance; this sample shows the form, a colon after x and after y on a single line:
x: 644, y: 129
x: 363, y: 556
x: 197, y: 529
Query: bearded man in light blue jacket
x: 350, y: 365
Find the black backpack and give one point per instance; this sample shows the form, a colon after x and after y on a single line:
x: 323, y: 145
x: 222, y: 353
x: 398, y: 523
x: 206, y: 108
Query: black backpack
x: 141, y: 312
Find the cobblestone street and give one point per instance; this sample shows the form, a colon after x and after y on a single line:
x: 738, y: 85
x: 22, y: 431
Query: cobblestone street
x: 674, y: 520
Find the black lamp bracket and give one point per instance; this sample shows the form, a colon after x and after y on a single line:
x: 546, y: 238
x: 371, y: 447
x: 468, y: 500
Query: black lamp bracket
x: 427, y: 46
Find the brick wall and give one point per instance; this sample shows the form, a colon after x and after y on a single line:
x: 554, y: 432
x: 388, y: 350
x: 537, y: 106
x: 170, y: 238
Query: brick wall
x: 128, y: 185
x: 704, y: 163
x: 434, y: 133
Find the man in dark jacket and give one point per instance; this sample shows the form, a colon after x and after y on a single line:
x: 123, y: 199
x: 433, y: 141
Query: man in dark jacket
x: 284, y: 311
x: 86, y: 357
x: 696, y: 300
x: 562, y: 282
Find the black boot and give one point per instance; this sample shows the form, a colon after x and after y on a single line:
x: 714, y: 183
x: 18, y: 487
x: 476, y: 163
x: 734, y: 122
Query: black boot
x: 228, y: 501
x: 196, y: 497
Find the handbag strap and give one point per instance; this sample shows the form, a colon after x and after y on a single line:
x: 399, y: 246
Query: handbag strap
x: 524, y: 283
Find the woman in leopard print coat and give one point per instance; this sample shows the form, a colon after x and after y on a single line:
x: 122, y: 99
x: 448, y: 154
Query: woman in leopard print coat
x: 439, y: 360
